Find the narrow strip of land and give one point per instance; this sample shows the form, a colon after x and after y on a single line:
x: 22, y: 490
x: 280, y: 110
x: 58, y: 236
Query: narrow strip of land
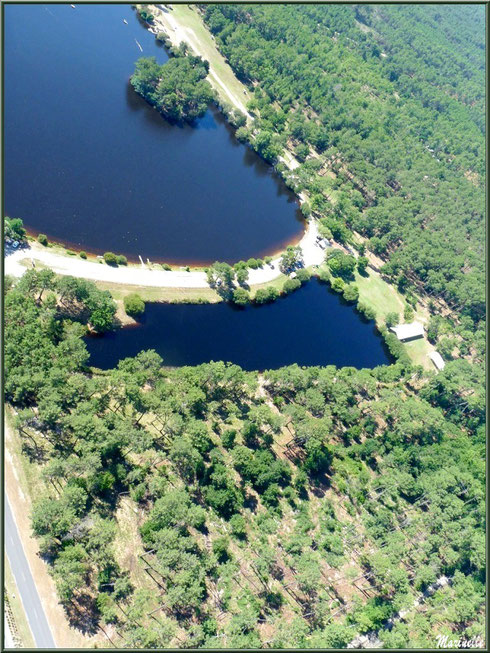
x: 17, y: 262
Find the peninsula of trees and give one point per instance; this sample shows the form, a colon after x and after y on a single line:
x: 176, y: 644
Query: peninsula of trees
x: 178, y: 88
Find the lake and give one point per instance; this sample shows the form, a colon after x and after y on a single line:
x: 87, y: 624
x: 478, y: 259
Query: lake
x: 312, y: 326
x: 90, y: 164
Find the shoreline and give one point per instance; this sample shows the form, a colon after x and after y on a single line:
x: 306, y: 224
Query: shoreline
x: 17, y: 262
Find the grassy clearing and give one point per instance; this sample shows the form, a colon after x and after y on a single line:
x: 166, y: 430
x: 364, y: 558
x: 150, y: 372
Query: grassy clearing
x: 419, y: 350
x: 17, y: 609
x: 379, y: 295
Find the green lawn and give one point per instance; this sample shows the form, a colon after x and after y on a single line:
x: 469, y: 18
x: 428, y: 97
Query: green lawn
x: 379, y: 295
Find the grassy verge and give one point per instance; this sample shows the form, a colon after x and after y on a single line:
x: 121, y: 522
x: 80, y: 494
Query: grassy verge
x: 150, y: 294
x: 277, y: 283
x: 17, y: 609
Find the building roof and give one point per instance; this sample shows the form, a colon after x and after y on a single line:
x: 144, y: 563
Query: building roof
x: 407, y: 331
x: 437, y: 359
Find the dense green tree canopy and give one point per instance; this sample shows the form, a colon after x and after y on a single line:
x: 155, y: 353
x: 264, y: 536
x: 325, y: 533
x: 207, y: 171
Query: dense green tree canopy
x: 178, y: 88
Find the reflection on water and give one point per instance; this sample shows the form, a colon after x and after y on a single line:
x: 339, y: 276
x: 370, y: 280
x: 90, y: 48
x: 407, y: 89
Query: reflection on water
x: 313, y: 326
x: 104, y: 171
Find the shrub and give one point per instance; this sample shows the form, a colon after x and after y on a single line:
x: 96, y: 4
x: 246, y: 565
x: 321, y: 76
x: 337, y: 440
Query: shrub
x: 368, y: 312
x: 408, y: 314
x: 121, y: 260
x: 238, y: 527
x: 362, y: 264
x: 253, y: 263
x: 228, y: 438
x: 43, y: 239
x: 133, y: 304
x: 337, y: 284
x: 268, y: 259
x: 351, y: 293
x: 241, y: 297
x: 392, y: 319
x: 265, y: 295
x: 82, y: 254
x: 110, y: 258
x: 303, y: 275
x: 166, y: 266
x: 290, y: 285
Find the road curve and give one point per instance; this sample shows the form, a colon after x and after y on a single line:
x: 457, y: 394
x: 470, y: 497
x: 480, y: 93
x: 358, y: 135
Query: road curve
x: 33, y: 608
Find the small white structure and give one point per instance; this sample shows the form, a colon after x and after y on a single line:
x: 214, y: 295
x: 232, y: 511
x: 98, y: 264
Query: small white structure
x: 410, y: 331
x: 437, y: 359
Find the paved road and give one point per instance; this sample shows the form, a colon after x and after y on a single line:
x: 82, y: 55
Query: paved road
x: 25, y: 583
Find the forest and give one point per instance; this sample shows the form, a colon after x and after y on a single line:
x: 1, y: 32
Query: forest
x: 300, y: 507
x: 383, y: 105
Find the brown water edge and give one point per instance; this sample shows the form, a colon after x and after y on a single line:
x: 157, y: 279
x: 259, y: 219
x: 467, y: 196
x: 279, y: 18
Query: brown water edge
x: 273, y: 250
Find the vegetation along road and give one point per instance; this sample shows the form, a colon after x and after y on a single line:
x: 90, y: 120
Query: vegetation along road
x: 25, y: 582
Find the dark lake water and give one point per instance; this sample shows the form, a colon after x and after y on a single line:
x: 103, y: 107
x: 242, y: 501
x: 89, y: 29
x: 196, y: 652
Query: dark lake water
x: 89, y: 163
x: 312, y: 326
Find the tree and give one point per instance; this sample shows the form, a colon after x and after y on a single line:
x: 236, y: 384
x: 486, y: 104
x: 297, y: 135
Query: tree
x: 362, y: 263
x: 290, y: 285
x: 178, y: 88
x: 351, y: 293
x: 133, y: 304
x: 14, y: 229
x: 290, y: 258
x: 340, y: 264
x: 110, y: 258
x: 241, y: 297
x: 368, y: 312
x: 266, y: 295
x: 43, y: 239
x: 408, y: 313
x: 392, y: 319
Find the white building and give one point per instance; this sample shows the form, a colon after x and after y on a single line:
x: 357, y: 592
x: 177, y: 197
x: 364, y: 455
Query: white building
x: 405, y: 332
x: 437, y: 359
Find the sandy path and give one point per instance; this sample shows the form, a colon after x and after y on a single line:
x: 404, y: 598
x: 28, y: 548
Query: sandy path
x: 16, y: 263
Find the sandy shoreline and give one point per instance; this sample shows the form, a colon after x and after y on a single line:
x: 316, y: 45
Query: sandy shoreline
x: 16, y: 263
